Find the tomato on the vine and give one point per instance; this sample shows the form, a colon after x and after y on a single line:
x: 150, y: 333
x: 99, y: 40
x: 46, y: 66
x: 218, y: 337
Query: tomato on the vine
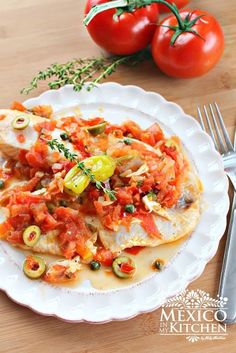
x: 188, y: 45
x: 124, y: 34
x: 178, y: 3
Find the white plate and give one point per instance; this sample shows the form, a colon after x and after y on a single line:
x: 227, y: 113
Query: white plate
x: 117, y: 103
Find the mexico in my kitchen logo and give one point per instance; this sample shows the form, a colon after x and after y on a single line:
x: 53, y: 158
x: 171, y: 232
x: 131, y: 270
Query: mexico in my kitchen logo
x: 195, y: 315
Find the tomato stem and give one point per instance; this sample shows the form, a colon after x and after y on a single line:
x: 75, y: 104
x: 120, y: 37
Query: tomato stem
x: 122, y: 6
x: 131, y: 5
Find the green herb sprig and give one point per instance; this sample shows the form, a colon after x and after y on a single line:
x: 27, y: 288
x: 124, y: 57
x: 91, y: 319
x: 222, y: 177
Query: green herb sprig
x: 81, y: 72
x: 55, y: 145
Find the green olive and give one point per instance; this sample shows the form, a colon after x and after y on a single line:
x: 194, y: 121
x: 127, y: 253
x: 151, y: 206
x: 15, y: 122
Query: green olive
x: 101, y: 167
x: 97, y: 129
x: 20, y: 122
x: 158, y: 265
x: 31, y: 235
x: 34, y: 266
x: 2, y: 184
x: 123, y: 267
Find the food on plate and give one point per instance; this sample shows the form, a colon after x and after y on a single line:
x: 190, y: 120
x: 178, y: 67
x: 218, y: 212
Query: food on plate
x: 123, y: 33
x: 92, y: 193
x: 188, y: 45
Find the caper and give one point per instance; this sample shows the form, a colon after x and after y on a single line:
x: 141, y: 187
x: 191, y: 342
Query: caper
x: 127, y: 141
x: 31, y: 235
x: 130, y: 208
x: 95, y: 265
x: 64, y: 136
x: 158, y: 265
x: 63, y: 203
x: 20, y: 122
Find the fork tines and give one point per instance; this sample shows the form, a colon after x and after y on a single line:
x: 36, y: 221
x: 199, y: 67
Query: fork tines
x: 215, y: 123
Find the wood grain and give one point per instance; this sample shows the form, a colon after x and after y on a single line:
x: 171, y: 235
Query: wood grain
x: 34, y: 34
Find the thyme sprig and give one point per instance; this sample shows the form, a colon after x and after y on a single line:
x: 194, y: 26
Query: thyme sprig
x: 81, y: 72
x: 54, y: 144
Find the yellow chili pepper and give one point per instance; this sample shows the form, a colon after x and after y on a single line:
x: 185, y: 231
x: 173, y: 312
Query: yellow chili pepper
x: 100, y: 168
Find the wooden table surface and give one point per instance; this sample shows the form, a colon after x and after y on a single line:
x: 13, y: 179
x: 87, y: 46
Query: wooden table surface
x: 34, y: 34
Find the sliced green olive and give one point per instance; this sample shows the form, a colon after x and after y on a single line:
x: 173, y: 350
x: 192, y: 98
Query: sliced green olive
x: 95, y: 265
x: 123, y: 267
x: 31, y: 235
x: 158, y: 265
x: 97, y: 129
x: 20, y: 122
x: 34, y: 266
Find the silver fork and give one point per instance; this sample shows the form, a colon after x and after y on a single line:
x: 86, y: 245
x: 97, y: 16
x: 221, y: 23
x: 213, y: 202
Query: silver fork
x: 227, y: 287
x: 222, y: 142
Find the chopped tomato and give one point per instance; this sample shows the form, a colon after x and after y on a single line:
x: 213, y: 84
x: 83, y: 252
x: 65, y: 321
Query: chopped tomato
x: 18, y: 106
x: 94, y: 121
x: 104, y: 256
x: 148, y: 224
x: 59, y: 274
x: 134, y: 250
x: 21, y: 138
x: 36, y: 157
x: 133, y: 128
x: 42, y: 110
x: 156, y: 132
x: 46, y: 125
x: 123, y: 196
x: 2, y: 117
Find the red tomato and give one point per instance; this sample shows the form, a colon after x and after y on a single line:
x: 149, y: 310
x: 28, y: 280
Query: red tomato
x: 134, y: 250
x: 104, y: 256
x: 178, y: 3
x: 190, y: 56
x: 132, y: 31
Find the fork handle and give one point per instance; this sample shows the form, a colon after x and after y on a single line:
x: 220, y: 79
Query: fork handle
x: 227, y: 286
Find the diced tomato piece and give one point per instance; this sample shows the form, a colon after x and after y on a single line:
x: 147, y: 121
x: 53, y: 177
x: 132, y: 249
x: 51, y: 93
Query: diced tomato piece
x: 93, y: 193
x: 20, y: 138
x: 134, y: 250
x: 67, y: 165
x: 18, y: 106
x: 5, y: 228
x: 156, y: 132
x: 43, y: 110
x: 123, y: 196
x: 15, y: 237
x: 148, y: 138
x: 148, y: 224
x: 94, y: 121
x: 104, y: 256
x: 133, y: 129
x: 36, y: 157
